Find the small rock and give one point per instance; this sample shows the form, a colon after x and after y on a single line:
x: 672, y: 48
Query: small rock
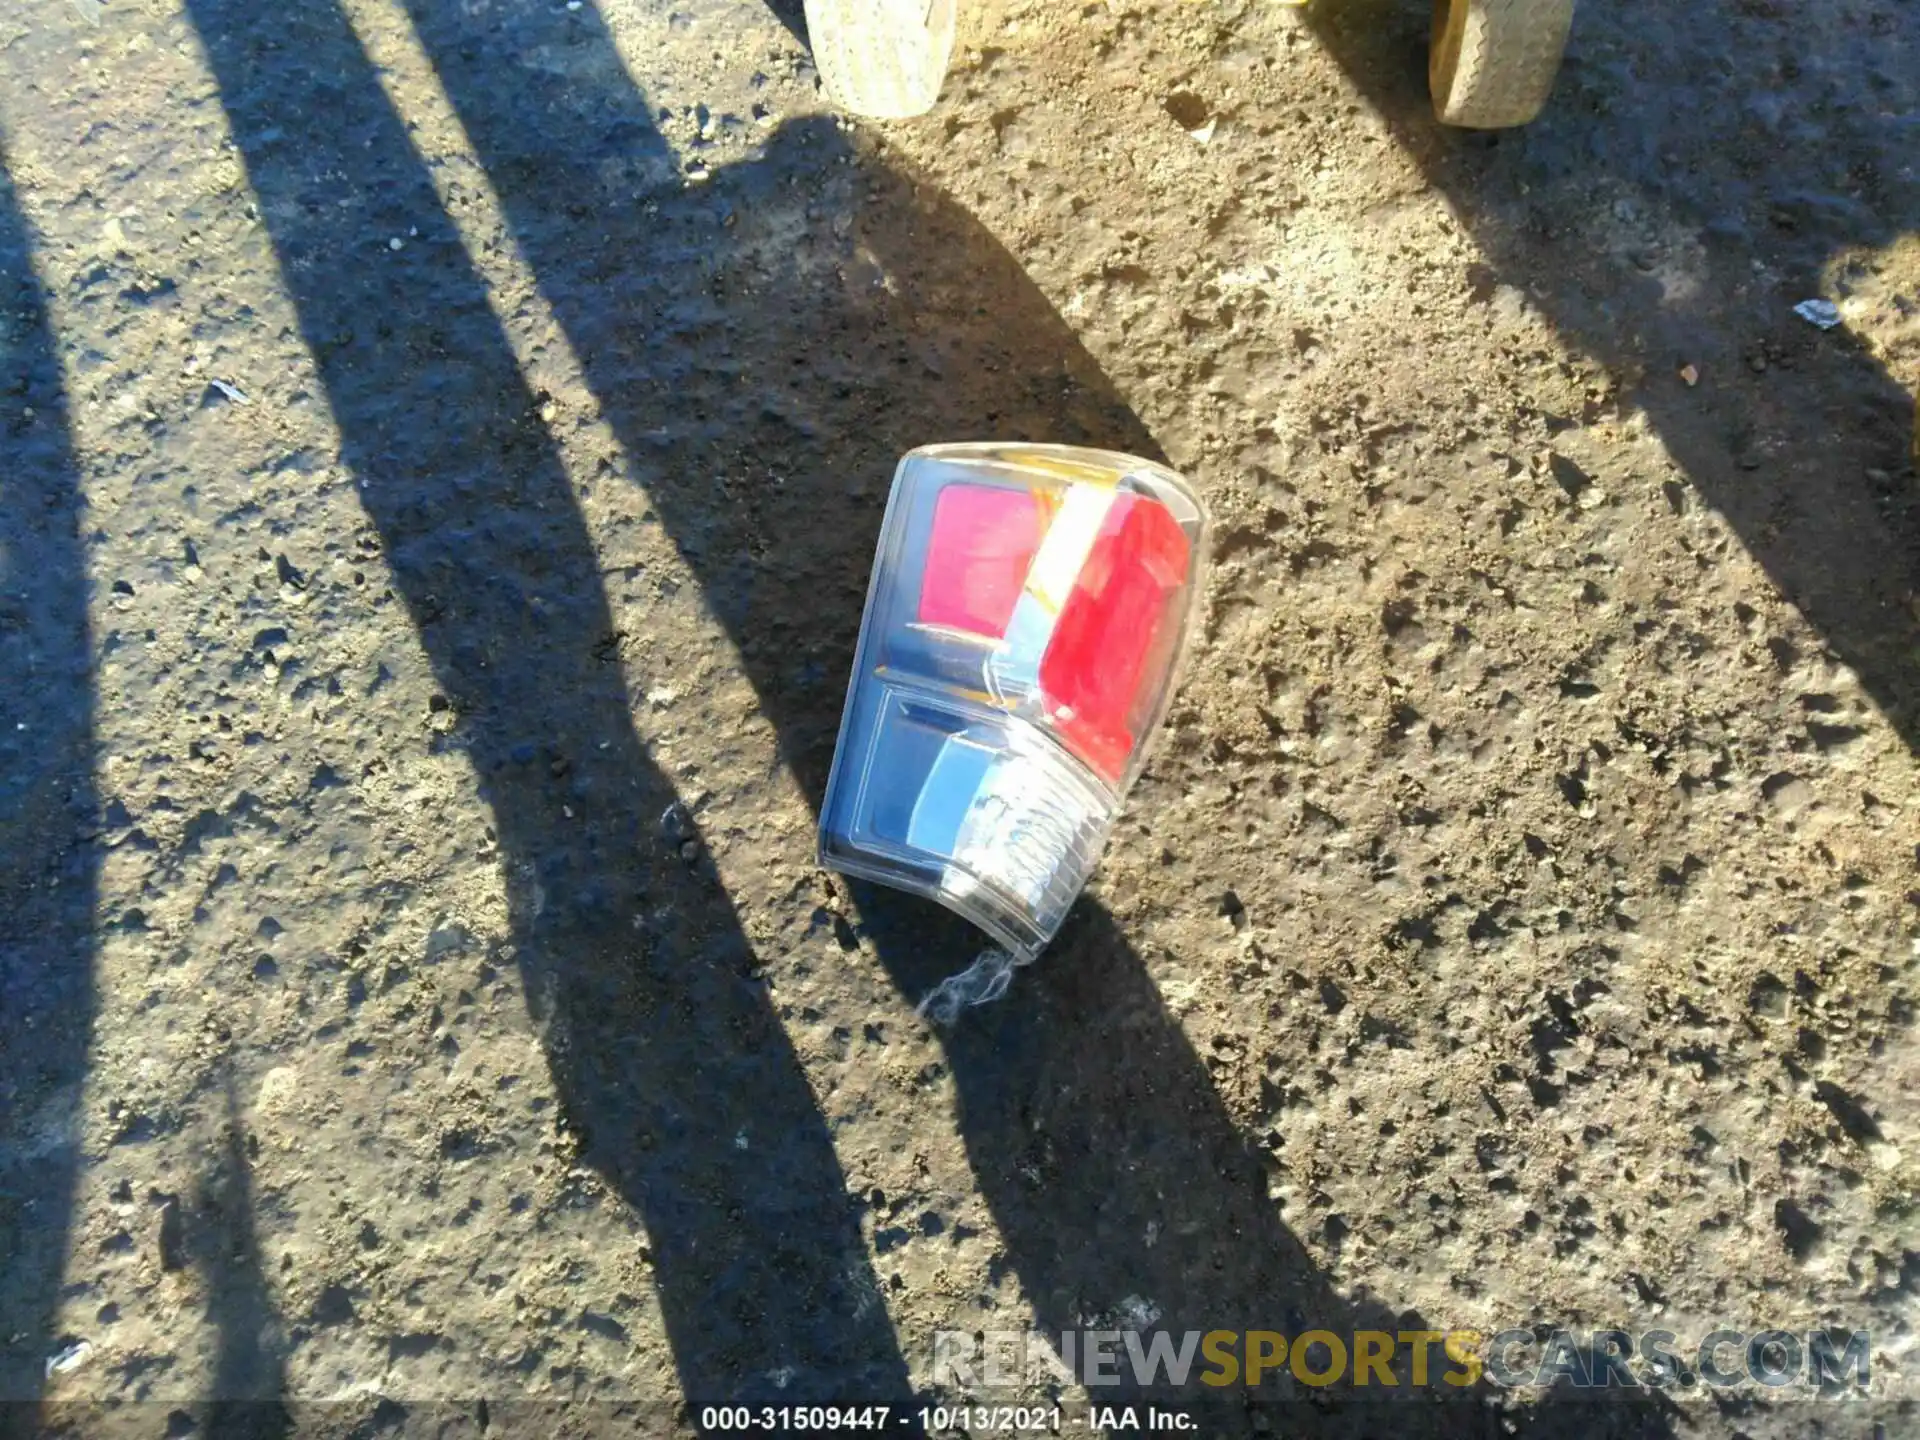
x: 1189, y: 112
x: 1690, y: 374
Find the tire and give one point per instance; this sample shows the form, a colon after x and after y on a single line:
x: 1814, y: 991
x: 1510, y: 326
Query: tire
x: 883, y: 59
x: 1492, y: 62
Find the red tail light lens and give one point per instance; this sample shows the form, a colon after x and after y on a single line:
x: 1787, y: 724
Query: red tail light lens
x: 1028, y: 609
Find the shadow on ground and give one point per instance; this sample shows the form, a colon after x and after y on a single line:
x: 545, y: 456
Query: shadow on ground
x: 48, y: 821
x: 1696, y: 171
x: 794, y: 325
x: 764, y: 345
x: 249, y: 1371
x: 663, y: 1045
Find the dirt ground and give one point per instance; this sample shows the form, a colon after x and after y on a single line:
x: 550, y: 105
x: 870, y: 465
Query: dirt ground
x: 441, y: 448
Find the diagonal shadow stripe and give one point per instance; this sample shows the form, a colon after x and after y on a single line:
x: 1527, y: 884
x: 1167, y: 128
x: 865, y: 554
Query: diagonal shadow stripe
x: 663, y: 1046
x: 49, y: 867
x: 792, y: 325
x: 1773, y: 138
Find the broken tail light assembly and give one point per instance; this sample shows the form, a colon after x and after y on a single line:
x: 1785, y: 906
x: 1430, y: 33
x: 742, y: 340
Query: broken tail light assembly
x: 1024, y: 625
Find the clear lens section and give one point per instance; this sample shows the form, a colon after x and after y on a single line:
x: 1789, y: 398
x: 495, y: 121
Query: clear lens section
x: 985, y: 816
x: 1028, y: 608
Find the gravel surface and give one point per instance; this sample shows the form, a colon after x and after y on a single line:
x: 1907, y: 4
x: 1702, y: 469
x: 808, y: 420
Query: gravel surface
x: 441, y: 449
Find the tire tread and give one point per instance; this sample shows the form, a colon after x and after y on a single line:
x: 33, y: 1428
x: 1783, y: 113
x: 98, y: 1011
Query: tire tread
x: 1508, y: 57
x: 881, y: 59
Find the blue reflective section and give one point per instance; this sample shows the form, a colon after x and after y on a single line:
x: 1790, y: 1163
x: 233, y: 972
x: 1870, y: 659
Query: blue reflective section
x: 957, y: 777
x: 906, y: 749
